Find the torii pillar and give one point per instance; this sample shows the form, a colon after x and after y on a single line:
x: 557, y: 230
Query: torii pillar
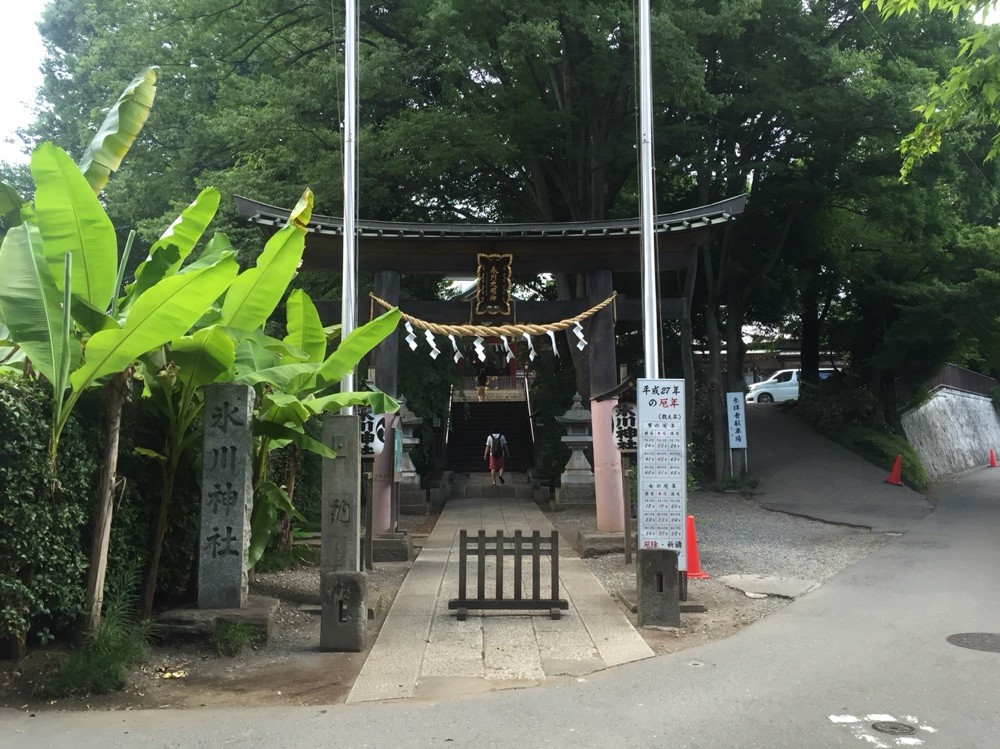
x: 603, y: 377
x: 385, y: 358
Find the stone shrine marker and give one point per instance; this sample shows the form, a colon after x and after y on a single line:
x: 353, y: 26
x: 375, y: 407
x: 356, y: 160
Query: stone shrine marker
x: 226, y: 496
x: 342, y: 585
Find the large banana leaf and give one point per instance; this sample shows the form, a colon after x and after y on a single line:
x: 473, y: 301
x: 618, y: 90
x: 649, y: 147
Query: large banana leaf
x: 71, y: 219
x: 203, y: 357
x: 305, y: 330
x: 251, y: 357
x: 256, y: 292
x: 90, y: 318
x: 379, y: 402
x: 177, y: 242
x: 280, y: 377
x: 284, y: 407
x: 10, y: 205
x: 32, y: 306
x: 310, y: 376
x: 119, y: 130
x: 162, y: 314
x: 355, y: 346
x: 291, y: 433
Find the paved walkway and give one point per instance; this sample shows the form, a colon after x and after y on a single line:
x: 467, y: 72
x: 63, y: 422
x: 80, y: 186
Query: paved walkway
x: 422, y: 651
x: 803, y: 473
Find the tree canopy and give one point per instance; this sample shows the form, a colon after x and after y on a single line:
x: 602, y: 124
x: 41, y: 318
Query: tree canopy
x: 525, y: 110
x: 966, y: 96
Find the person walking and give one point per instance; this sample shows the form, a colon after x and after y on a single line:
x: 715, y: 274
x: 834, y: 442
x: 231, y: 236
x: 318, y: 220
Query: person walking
x: 496, y: 451
x: 483, y: 380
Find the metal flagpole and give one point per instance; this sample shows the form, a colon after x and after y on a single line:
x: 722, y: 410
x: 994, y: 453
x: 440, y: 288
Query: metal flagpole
x: 349, y: 303
x: 650, y: 290
x: 659, y: 587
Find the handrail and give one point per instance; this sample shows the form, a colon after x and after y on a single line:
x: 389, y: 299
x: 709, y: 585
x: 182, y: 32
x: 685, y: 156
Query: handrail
x: 531, y: 416
x: 447, y: 425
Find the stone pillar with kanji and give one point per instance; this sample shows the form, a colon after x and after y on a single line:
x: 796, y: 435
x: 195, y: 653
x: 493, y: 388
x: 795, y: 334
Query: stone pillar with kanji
x: 226, y: 496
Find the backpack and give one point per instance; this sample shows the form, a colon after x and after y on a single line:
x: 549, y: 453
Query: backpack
x: 496, y: 445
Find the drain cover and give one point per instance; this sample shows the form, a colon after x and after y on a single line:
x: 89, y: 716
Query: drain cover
x: 985, y: 641
x: 894, y: 728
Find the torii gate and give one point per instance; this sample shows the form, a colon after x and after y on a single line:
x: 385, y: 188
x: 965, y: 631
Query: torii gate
x: 597, y: 248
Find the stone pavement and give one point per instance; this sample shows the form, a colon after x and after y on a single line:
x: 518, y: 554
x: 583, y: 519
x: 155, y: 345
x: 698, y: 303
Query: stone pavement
x: 422, y: 650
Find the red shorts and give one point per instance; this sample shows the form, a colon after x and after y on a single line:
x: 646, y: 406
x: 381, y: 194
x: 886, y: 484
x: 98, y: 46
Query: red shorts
x: 496, y: 462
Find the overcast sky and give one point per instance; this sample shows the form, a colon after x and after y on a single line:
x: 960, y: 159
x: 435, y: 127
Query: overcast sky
x: 20, y: 56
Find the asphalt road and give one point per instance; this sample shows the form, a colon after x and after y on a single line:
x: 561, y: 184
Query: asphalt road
x: 870, y: 645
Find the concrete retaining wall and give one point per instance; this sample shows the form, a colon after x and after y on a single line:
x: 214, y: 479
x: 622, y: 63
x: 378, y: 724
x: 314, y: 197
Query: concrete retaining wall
x: 953, y: 431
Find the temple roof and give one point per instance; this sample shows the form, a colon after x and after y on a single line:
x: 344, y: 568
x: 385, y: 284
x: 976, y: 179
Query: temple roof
x: 536, y: 247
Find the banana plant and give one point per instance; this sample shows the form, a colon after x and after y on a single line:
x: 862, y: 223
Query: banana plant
x: 175, y: 375
x: 291, y: 394
x: 59, y: 256
x: 280, y: 416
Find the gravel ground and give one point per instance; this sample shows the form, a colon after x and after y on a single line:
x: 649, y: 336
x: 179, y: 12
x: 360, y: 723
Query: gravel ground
x: 301, y: 586
x: 735, y: 536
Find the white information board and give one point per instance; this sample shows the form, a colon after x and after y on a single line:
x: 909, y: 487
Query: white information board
x: 662, y: 466
x: 737, y: 421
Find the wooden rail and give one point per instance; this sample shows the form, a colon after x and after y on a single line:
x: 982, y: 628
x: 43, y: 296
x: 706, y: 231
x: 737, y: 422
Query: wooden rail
x: 520, y: 547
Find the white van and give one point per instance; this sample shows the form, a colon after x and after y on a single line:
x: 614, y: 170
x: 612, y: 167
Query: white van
x: 782, y: 386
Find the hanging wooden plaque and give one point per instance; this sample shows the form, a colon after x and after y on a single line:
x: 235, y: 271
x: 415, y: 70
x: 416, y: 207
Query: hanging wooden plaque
x: 493, y: 284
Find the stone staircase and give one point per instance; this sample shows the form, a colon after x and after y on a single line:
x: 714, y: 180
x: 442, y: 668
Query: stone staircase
x: 473, y: 422
x: 477, y: 485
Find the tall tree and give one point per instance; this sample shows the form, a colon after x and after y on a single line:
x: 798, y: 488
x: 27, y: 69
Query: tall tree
x: 966, y: 97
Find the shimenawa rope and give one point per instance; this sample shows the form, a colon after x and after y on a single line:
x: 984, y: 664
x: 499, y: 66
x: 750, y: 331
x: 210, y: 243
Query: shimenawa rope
x: 498, y: 330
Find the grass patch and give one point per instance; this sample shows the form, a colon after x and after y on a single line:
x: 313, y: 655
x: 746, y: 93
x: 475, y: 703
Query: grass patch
x: 121, y: 641
x: 743, y: 484
x: 852, y: 417
x: 232, y: 638
x: 300, y: 555
x: 881, y: 449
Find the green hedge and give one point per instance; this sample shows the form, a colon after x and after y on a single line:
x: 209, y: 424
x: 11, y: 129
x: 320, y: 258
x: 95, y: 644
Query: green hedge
x: 45, y: 538
x: 42, y: 559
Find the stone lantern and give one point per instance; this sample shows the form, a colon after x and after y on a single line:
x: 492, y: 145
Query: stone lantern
x: 412, y: 499
x: 577, y: 479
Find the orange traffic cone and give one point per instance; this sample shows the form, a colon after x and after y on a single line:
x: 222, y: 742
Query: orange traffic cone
x: 993, y: 459
x: 693, y: 563
x: 896, y: 475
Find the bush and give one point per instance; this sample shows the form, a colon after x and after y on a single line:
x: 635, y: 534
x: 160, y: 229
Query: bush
x: 839, y: 406
x: 44, y: 536
x: 42, y: 559
x: 232, y: 638
x: 701, y: 449
x: 136, y: 511
x: 120, y: 642
x: 995, y: 397
x: 551, y: 396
